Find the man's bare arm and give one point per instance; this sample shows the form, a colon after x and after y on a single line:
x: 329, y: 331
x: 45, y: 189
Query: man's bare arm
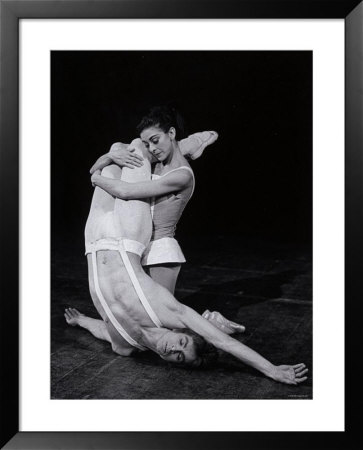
x: 284, y: 373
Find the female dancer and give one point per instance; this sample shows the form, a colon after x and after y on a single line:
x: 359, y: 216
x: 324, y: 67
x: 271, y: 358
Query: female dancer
x: 138, y: 314
x: 159, y: 130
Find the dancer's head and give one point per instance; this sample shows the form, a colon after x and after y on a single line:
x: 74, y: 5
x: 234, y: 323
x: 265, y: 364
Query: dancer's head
x: 185, y: 348
x: 160, y: 129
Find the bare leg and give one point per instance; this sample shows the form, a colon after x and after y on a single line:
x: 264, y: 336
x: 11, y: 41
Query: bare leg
x: 166, y: 275
x: 96, y: 327
x: 223, y: 324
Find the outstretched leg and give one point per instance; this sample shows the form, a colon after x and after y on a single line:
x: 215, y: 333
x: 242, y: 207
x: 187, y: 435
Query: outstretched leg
x: 95, y: 326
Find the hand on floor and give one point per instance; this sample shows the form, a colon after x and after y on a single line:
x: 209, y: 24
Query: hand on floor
x: 72, y: 316
x: 290, y: 374
x: 223, y: 324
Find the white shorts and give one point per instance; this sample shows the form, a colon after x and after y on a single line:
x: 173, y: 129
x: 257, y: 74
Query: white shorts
x: 162, y: 251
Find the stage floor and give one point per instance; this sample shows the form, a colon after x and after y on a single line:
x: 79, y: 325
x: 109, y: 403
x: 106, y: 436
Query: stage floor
x: 263, y: 285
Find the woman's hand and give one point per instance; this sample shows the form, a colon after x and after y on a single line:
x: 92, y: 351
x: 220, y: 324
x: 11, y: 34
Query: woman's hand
x: 124, y: 156
x: 119, y: 154
x: 102, y: 161
x: 95, y: 176
x: 290, y: 374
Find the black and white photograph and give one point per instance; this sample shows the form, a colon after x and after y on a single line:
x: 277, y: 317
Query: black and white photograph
x: 181, y: 225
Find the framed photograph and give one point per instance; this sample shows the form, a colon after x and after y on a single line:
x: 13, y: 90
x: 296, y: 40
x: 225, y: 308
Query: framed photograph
x: 206, y: 158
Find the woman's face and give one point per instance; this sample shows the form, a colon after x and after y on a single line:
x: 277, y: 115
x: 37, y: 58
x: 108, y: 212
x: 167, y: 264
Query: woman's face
x: 177, y: 348
x: 158, y: 142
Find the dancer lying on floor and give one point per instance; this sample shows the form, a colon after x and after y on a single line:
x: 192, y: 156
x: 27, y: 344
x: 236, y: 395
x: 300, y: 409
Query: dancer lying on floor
x: 138, y: 314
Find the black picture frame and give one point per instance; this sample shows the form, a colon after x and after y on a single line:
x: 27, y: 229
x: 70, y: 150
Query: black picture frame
x: 13, y: 10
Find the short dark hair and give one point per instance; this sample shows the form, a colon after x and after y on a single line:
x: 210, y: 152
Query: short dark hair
x: 163, y: 117
x: 207, y: 354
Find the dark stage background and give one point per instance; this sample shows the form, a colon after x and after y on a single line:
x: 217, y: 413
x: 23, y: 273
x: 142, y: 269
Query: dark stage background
x: 255, y: 181
x: 246, y: 233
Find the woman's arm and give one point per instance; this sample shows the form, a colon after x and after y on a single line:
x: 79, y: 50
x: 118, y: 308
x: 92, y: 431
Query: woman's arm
x: 285, y: 374
x: 120, y: 154
x: 132, y: 191
x: 101, y: 163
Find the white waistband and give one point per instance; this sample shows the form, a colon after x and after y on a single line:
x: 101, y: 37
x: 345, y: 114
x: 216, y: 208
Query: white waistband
x: 128, y: 245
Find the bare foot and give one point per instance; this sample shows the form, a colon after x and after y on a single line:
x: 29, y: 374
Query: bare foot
x: 220, y: 322
x: 72, y: 316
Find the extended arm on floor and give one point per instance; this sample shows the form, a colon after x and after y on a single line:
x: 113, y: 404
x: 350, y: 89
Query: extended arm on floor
x: 285, y: 373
